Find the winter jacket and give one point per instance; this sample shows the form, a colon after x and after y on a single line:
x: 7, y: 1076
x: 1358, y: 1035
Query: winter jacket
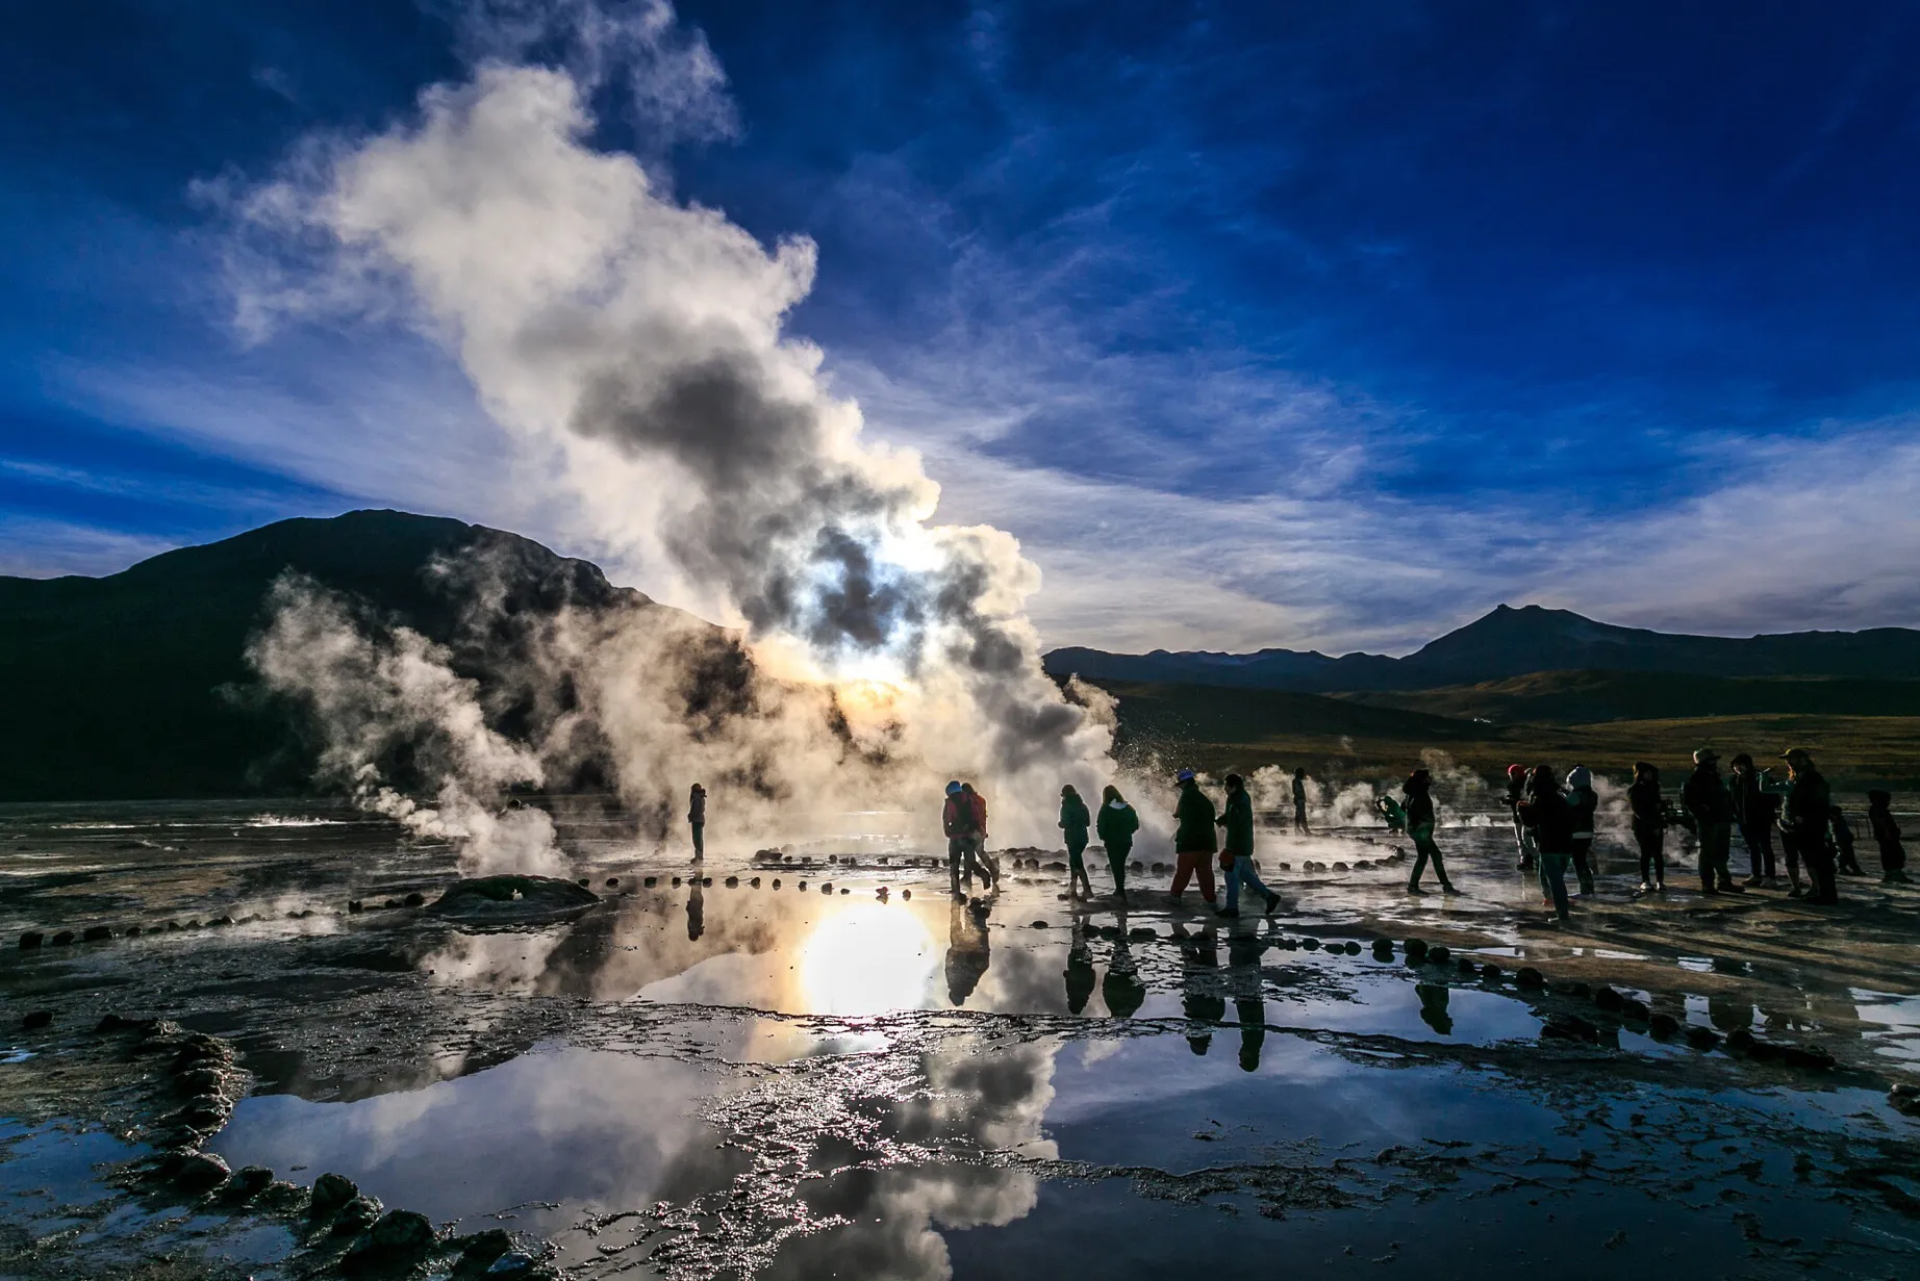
x: 697, y: 807
x: 1074, y: 819
x: 957, y: 819
x: 1238, y: 820
x: 1753, y: 805
x: 1706, y: 797
x: 1117, y: 824
x: 1808, y: 799
x: 1552, y: 819
x: 1643, y: 799
x: 1194, y: 817
x: 1584, y: 801
x: 979, y: 813
x: 1419, y: 808
x: 1880, y: 823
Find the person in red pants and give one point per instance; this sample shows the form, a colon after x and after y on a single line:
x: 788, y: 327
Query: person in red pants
x: 1194, y: 839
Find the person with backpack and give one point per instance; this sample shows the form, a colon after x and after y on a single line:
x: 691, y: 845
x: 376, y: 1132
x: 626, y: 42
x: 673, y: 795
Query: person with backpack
x: 959, y: 820
x: 1550, y: 818
x: 1236, y: 853
x: 697, y: 820
x: 1585, y: 802
x: 1886, y: 834
x: 988, y: 864
x: 1753, y: 810
x: 1194, y: 840
x: 1705, y: 796
x: 1417, y: 800
x: 1116, y: 825
x: 1074, y: 823
x: 1649, y: 826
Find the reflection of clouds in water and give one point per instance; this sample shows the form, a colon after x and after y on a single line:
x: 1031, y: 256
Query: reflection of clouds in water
x: 600, y: 1129
x: 980, y: 1099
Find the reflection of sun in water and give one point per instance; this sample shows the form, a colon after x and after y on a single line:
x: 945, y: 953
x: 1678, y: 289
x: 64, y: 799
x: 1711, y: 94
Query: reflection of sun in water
x: 867, y: 958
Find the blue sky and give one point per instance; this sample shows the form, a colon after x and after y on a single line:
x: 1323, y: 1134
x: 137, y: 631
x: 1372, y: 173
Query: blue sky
x: 1259, y: 324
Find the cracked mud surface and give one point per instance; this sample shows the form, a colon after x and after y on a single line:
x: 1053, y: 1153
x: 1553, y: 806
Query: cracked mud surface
x: 736, y: 1081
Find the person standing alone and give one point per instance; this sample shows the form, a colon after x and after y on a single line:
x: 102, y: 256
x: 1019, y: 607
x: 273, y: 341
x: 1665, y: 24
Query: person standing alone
x: 697, y: 820
x: 1417, y: 800
x: 1300, y: 802
x: 1194, y: 840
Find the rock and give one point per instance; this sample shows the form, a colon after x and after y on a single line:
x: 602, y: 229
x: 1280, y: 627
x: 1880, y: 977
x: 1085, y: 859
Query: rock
x: 1702, y: 1038
x: 115, y: 1023
x: 1570, y: 988
x: 61, y: 939
x: 706, y: 881
x: 1467, y: 965
x: 1530, y: 979
x: 511, y: 1265
x: 800, y: 885
x: 826, y: 887
x: 249, y: 1182
x: 357, y: 1215
x: 1383, y: 949
x: 651, y: 881
x: 132, y: 932
x: 611, y: 882
x: 1811, y: 1058
x: 676, y: 882
x: 97, y: 933
x: 1571, y: 1027
x: 399, y: 1234
x: 415, y: 899
x: 330, y: 1192
x: 1311, y: 944
x: 1608, y: 999
x: 482, y: 1248
x: 733, y: 882
x: 1632, y: 1007
x: 201, y: 1080
x: 1286, y: 867
x: 754, y: 883
x: 1664, y: 1025
x: 200, y: 1172
x: 905, y: 894
x: 36, y: 1019
x: 1135, y: 866
x: 354, y: 907
x: 512, y: 901
x: 1415, y: 951
x: 776, y: 882
x: 1142, y: 934
x: 1743, y: 1040
x: 206, y: 1112
x: 228, y: 920
x: 1340, y: 867
x: 1438, y: 954
x: 1353, y: 948
x: 1905, y: 1099
x: 31, y: 939
x: 582, y: 881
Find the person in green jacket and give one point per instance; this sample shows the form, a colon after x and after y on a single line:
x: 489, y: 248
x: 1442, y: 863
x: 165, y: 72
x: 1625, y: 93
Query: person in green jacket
x: 1236, y: 856
x: 1074, y: 821
x: 1116, y: 825
x: 1194, y: 840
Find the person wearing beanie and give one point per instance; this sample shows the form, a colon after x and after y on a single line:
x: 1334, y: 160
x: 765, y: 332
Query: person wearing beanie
x: 1753, y: 810
x: 1649, y: 826
x: 1705, y: 796
x: 1584, y: 802
x: 1886, y: 834
x: 1194, y: 840
x: 1522, y: 834
x: 1417, y: 801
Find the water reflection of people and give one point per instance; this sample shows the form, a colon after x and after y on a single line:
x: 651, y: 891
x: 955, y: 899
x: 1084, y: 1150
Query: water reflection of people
x: 696, y: 913
x: 1433, y: 1007
x: 1244, y: 980
x: 1079, y: 975
x: 1200, y: 998
x: 1122, y: 989
x: 966, y: 947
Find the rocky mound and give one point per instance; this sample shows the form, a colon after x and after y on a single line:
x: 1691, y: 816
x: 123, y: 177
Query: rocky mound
x: 503, y: 902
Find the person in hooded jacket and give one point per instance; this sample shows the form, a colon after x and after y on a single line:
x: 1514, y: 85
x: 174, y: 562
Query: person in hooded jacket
x: 1417, y: 800
x: 1706, y: 797
x: 1804, y: 817
x: 1522, y: 834
x: 1116, y: 825
x: 1550, y: 818
x: 1886, y: 834
x: 1585, y: 802
x: 1649, y: 826
x: 1074, y: 822
x: 1194, y: 840
x: 1236, y: 853
x: 1753, y: 812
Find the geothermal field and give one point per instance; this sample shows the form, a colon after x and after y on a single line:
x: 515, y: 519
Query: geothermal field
x: 260, y: 1040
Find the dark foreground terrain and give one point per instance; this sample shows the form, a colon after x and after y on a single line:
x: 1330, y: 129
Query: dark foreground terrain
x: 736, y: 1080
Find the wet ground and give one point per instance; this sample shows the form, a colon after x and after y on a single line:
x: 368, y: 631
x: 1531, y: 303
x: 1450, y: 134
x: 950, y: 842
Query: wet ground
x: 821, y: 1079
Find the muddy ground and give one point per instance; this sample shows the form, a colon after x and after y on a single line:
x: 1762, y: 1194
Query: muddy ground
x: 857, y: 1074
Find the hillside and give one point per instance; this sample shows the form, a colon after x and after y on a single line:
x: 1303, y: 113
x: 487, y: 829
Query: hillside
x: 1509, y: 642
x: 1171, y: 719
x: 118, y: 686
x: 1586, y: 697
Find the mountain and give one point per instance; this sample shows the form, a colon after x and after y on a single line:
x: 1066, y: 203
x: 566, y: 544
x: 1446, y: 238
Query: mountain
x: 1510, y: 642
x: 1590, y: 697
x: 121, y: 686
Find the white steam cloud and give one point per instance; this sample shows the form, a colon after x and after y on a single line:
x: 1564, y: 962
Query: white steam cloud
x: 633, y: 346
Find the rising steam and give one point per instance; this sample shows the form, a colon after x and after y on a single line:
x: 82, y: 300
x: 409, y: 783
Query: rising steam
x: 633, y: 345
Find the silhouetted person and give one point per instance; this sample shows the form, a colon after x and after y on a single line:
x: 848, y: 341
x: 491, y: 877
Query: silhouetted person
x: 1417, y: 800
x: 1886, y: 834
x: 1433, y: 1007
x: 1300, y: 802
x: 1200, y: 998
x: 1116, y: 825
x: 1649, y: 826
x: 1236, y: 854
x: 1753, y: 810
x: 960, y: 821
x: 1803, y: 827
x: 1706, y: 797
x: 1841, y: 835
x: 988, y: 865
x: 1550, y: 819
x: 1194, y: 840
x: 1074, y: 822
x: 1585, y: 802
x: 1522, y: 834
x: 967, y: 954
x: 1079, y: 975
x: 697, y: 820
x: 1244, y: 980
x: 696, y: 913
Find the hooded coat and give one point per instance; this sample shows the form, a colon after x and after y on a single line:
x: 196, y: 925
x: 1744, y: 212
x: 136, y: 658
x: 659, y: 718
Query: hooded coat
x: 1116, y: 825
x: 1238, y: 820
x: 1074, y: 819
x: 1194, y: 818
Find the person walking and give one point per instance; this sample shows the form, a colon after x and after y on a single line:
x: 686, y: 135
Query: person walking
x: 1753, y: 813
x: 1522, y: 834
x: 1886, y: 834
x: 1417, y: 800
x: 1116, y: 825
x: 1705, y: 796
x: 1585, y: 803
x: 1300, y: 802
x: 1649, y: 826
x: 697, y: 820
x: 1549, y: 817
x: 1236, y: 854
x: 1804, y: 817
x: 1074, y: 822
x: 989, y: 865
x: 957, y: 819
x: 1194, y: 840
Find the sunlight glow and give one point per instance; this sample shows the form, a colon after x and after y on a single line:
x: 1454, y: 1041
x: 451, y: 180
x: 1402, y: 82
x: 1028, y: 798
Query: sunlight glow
x: 868, y: 958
